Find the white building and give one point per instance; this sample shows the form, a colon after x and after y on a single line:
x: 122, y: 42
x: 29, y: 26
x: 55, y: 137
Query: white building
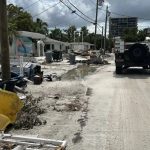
x: 81, y: 46
x: 51, y: 44
x: 34, y: 44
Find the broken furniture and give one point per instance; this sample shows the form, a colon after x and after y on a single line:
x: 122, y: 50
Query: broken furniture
x: 16, y: 81
x: 29, y: 70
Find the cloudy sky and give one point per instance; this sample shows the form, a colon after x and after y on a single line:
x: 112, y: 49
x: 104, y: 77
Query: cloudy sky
x: 60, y: 16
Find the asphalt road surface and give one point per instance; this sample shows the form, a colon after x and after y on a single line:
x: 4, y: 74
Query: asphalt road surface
x: 119, y: 111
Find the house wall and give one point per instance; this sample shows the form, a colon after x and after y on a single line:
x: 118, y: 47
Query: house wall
x: 24, y: 46
x: 55, y: 46
x: 21, y: 46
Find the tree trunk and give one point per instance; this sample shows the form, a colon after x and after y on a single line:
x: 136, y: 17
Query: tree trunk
x: 5, y: 62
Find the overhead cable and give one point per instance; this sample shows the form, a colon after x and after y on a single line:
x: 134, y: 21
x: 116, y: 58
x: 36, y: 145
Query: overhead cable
x: 80, y: 10
x: 75, y: 12
x: 46, y: 10
x: 31, y: 4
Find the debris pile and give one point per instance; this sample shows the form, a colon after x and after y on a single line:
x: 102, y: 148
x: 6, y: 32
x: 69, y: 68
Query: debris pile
x: 6, y: 146
x: 69, y: 104
x: 90, y: 57
x: 28, y: 117
x: 74, y: 105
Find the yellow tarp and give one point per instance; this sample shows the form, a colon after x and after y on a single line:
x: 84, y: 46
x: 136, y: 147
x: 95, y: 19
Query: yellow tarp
x: 4, y: 122
x: 10, y: 105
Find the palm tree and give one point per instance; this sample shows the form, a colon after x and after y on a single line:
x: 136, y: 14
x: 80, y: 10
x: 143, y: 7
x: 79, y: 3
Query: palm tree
x: 13, y: 11
x: 56, y: 34
x: 41, y: 27
x: 70, y: 33
x: 19, y: 19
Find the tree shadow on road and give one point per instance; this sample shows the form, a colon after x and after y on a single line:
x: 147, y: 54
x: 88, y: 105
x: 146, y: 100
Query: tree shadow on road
x: 133, y: 73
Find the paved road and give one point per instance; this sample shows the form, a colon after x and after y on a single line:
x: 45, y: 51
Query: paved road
x: 119, y: 111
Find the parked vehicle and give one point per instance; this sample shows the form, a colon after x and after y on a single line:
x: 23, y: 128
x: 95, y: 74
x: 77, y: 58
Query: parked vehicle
x: 132, y: 55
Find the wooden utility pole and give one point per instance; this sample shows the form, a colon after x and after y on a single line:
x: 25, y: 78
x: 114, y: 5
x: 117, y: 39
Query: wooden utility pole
x: 96, y: 23
x: 5, y: 62
x: 105, y: 29
x: 102, y: 38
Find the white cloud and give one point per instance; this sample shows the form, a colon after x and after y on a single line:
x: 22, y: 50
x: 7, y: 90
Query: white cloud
x: 61, y: 16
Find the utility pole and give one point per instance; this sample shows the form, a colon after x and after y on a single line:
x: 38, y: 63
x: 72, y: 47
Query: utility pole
x: 81, y: 34
x: 5, y: 62
x: 105, y: 29
x: 102, y: 38
x: 96, y: 22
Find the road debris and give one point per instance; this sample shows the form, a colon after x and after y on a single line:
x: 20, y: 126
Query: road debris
x: 28, y: 117
x: 77, y: 138
x: 69, y: 104
x: 24, y: 142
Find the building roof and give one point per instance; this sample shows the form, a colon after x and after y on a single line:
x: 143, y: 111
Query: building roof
x: 38, y: 36
x: 49, y: 40
x: 32, y: 35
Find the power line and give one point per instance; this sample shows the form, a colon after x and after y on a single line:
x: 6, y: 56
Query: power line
x: 80, y: 11
x: 31, y: 4
x: 43, y: 4
x: 75, y: 12
x: 100, y: 29
x: 74, y: 18
x: 46, y: 9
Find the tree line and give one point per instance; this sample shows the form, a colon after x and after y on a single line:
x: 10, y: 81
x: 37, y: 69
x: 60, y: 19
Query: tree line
x: 21, y: 20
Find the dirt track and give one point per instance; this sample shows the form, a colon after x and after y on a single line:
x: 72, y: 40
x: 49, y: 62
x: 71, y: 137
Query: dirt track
x: 115, y: 117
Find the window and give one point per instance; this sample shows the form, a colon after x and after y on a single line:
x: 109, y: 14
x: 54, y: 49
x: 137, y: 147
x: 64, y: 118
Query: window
x: 47, y: 46
x: 53, y: 47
